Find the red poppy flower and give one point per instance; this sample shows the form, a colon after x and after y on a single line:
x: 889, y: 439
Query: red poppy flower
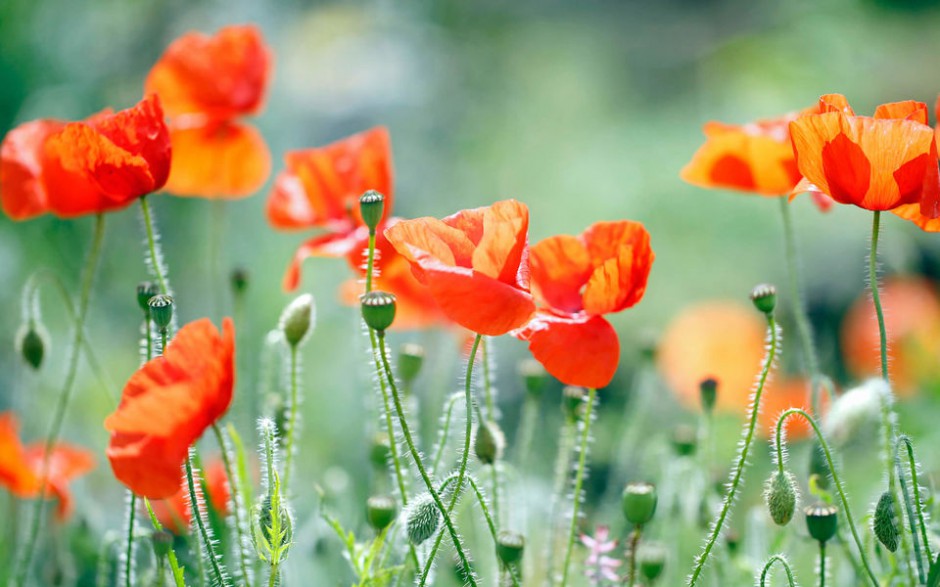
x: 167, y: 405
x: 876, y: 163
x: 72, y: 169
x: 578, y: 279
x: 475, y: 264
x: 174, y: 512
x: 21, y: 467
x: 206, y: 84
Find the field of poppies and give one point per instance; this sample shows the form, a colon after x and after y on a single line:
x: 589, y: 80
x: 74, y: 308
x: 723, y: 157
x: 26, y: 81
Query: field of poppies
x: 353, y: 295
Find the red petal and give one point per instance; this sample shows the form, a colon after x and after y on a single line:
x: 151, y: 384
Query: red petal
x: 560, y: 266
x: 577, y: 350
x: 22, y: 190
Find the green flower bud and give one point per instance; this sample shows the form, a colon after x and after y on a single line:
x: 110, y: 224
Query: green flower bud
x: 238, y: 278
x: 684, y: 440
x: 381, y: 511
x: 161, y: 311
x: 371, y: 208
x: 298, y: 320
x: 380, y: 450
x: 145, y: 291
x: 639, y: 503
x: 885, y: 522
x: 708, y: 391
x: 780, y: 495
x: 162, y: 542
x: 534, y: 376
x: 423, y: 519
x: 764, y: 297
x: 509, y: 547
x: 272, y: 536
x: 572, y: 398
x: 651, y: 558
x: 488, y: 442
x: 378, y: 310
x: 410, y: 359
x: 821, y: 521
x: 31, y: 342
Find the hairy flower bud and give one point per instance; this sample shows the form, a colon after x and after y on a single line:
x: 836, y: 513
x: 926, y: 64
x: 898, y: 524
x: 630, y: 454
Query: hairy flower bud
x: 488, y: 442
x: 821, y: 521
x: 145, y: 291
x: 272, y: 527
x: 378, y: 309
x: 422, y: 519
x: 781, y: 494
x: 885, y: 522
x: 298, y: 320
x: 161, y: 311
x: 764, y: 297
x: 31, y: 343
x: 381, y: 511
x: 509, y: 547
x: 639, y: 503
x: 162, y: 542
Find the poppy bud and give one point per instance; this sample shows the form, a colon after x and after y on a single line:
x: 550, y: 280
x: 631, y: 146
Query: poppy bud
x: 423, y: 519
x: 651, y: 558
x: 298, y: 319
x: 272, y: 539
x: 381, y: 511
x: 31, y: 342
x: 821, y: 521
x: 378, y: 309
x: 380, y: 450
x: 684, y: 440
x: 161, y: 311
x: 764, y: 297
x: 239, y: 280
x: 708, y: 391
x: 410, y: 359
x: 162, y: 543
x: 780, y: 495
x: 145, y: 291
x: 509, y: 547
x: 639, y: 503
x: 371, y: 208
x: 488, y: 443
x: 534, y: 376
x: 572, y: 398
x: 885, y: 522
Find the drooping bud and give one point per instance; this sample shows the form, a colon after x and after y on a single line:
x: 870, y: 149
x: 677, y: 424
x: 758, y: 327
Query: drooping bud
x: 410, y: 360
x: 708, y: 392
x: 821, y: 521
x: 684, y: 440
x: 378, y: 310
x: 161, y: 311
x: 488, y: 442
x: 572, y: 398
x: 371, y: 208
x: 651, y: 558
x: 381, y: 511
x: 162, y: 542
x: 509, y: 547
x: 764, y: 297
x: 780, y: 495
x: 885, y: 522
x: 31, y: 343
x: 639, y: 503
x: 380, y: 450
x: 534, y: 376
x: 145, y: 291
x: 423, y: 519
x: 298, y: 320
x: 238, y: 278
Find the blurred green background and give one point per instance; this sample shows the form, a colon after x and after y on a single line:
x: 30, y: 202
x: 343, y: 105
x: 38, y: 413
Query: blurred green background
x: 585, y: 111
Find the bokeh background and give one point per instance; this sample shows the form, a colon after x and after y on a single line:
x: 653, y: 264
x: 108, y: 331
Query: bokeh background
x: 585, y: 111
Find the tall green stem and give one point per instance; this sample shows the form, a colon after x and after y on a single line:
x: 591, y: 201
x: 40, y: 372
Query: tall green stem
x: 129, y: 553
x: 579, y: 481
x: 221, y: 579
x: 55, y: 428
x: 156, y: 260
x: 876, y: 298
x: 917, y: 505
x: 370, y: 261
x: 238, y: 505
x: 822, y: 564
x: 634, y: 546
x: 171, y: 554
x: 777, y: 558
x: 292, y: 423
x: 739, y: 467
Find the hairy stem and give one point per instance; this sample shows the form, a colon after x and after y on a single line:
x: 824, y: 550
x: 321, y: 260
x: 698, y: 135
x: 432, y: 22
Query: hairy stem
x: 156, y: 261
x: 238, y: 505
x: 219, y: 574
x: 171, y: 554
x: 292, y: 422
x: 634, y: 545
x: 579, y: 482
x: 129, y: 578
x: 905, y: 441
x: 777, y: 558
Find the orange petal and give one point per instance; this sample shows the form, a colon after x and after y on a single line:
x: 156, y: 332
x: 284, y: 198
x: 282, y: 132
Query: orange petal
x: 222, y: 77
x: 622, y: 257
x: 912, y: 212
x: 835, y: 103
x: 500, y: 249
x: 430, y: 237
x: 22, y: 191
x: 16, y: 474
x: 577, y: 350
x: 65, y: 464
x: 907, y: 110
x: 559, y: 267
x: 778, y: 397
x: 218, y: 160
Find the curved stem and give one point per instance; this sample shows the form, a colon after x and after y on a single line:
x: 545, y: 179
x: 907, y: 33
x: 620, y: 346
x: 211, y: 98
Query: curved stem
x: 919, y: 520
x: 579, y: 482
x: 171, y: 554
x: 220, y: 578
x: 237, y: 503
x: 876, y: 299
x: 129, y: 554
x: 835, y: 478
x: 777, y: 558
x: 738, y: 471
x: 55, y: 428
x: 292, y: 422
x: 156, y: 262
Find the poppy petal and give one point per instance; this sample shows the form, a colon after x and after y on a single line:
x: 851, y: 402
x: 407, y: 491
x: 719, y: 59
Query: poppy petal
x: 577, y: 350
x: 16, y: 474
x: 907, y: 110
x: 499, y: 251
x: 559, y: 268
x: 23, y: 193
x: 622, y: 257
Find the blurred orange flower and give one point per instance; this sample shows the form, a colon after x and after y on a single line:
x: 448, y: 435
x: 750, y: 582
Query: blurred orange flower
x: 207, y: 84
x: 475, y: 264
x: 167, y: 405
x: 912, y: 318
x: 780, y: 395
x: 21, y: 467
x: 174, y: 512
x: 876, y: 163
x: 71, y: 169
x: 578, y: 279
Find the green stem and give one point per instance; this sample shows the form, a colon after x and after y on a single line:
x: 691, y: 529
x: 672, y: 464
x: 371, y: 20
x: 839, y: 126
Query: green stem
x: 822, y: 564
x: 495, y: 478
x: 919, y: 520
x: 835, y: 478
x: 292, y: 422
x: 406, y: 431
x: 237, y: 504
x: 156, y: 262
x: 579, y: 482
x: 445, y: 431
x: 487, y: 382
x: 370, y: 262
x: 62, y: 403
x: 777, y: 558
x: 634, y: 545
x: 876, y: 299
x: 272, y: 580
x: 148, y: 334
x: 129, y: 554
x: 171, y: 554
x: 220, y: 578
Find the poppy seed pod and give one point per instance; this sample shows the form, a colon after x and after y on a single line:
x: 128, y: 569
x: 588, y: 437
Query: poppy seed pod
x: 298, y: 320
x: 572, y: 398
x: 639, y: 503
x: 780, y: 495
x: 488, y: 442
x: 821, y: 521
x: 410, y: 359
x: 378, y: 310
x: 534, y: 376
x: 708, y: 392
x: 885, y: 522
x: 162, y: 543
x: 161, y: 311
x: 31, y: 342
x: 684, y: 440
x: 371, y: 208
x: 423, y: 519
x: 651, y: 558
x: 381, y: 511
x: 764, y: 297
x: 145, y: 291
x: 509, y: 547
x: 380, y: 450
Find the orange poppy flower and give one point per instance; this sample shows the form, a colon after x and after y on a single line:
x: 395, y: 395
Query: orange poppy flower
x: 912, y: 317
x: 71, y: 169
x: 781, y: 395
x: 876, y: 163
x: 174, y: 512
x: 475, y: 264
x: 206, y: 84
x: 21, y: 467
x: 578, y: 279
x: 167, y: 405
